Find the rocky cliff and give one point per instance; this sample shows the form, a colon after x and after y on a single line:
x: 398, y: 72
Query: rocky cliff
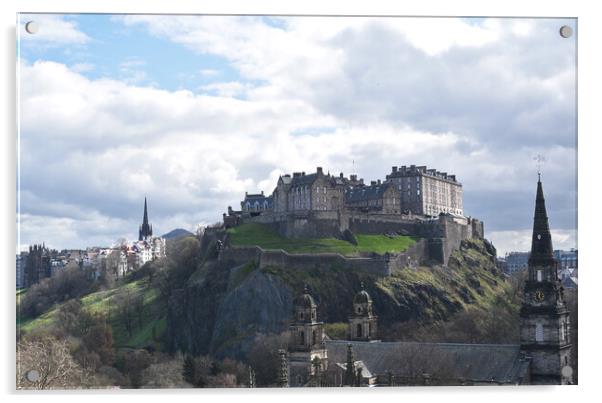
x: 223, y: 308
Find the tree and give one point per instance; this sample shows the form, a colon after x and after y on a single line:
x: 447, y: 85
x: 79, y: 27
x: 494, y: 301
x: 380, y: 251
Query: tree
x: 52, y: 362
x: 264, y: 357
x: 189, y: 370
x: 125, y: 308
x: 136, y: 362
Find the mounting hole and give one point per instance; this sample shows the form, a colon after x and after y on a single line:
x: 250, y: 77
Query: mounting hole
x: 31, y: 27
x: 32, y: 375
x: 566, y: 31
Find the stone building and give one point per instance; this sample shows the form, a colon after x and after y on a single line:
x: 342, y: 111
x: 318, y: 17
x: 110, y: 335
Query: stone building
x: 255, y: 203
x: 306, y: 341
x: 545, y: 323
x: 315, y: 192
x: 377, y: 197
x: 362, y: 321
x: 427, y: 191
x: 38, y: 264
x: 542, y: 357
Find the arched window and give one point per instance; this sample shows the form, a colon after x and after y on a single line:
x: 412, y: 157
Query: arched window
x: 302, y: 337
x: 359, y: 330
x: 538, y: 332
x: 313, y: 337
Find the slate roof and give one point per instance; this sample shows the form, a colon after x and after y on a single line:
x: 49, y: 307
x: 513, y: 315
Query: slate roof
x: 304, y: 179
x: 361, y: 193
x: 501, y: 363
x: 260, y: 198
x: 569, y: 282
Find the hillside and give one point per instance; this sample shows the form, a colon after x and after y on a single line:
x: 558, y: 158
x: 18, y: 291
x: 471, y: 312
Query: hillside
x: 146, y: 332
x: 176, y: 234
x: 223, y: 308
x: 219, y: 310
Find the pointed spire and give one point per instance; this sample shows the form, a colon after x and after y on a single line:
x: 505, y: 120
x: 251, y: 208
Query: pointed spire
x: 542, y: 253
x: 145, y: 218
x: 145, y: 229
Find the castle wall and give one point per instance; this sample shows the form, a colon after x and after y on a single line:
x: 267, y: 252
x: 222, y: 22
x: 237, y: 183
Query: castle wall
x: 444, y: 234
x: 377, y: 265
x: 279, y: 258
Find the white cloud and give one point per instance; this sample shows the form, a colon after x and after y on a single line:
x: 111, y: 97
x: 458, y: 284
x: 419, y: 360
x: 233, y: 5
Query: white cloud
x: 345, y: 94
x: 53, y: 30
x: 231, y: 89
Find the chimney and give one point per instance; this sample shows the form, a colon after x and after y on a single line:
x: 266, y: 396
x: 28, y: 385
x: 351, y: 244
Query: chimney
x: 262, y: 192
x: 319, y: 171
x: 394, y: 169
x: 246, y: 193
x: 296, y: 174
x: 378, y: 182
x: 372, y: 183
x: 303, y: 173
x: 341, y: 175
x: 353, y: 177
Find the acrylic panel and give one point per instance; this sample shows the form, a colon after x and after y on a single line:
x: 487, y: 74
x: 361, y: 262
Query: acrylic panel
x: 278, y: 201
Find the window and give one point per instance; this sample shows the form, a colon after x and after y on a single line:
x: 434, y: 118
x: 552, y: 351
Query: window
x: 538, y: 332
x: 313, y: 337
x: 302, y: 337
x: 359, y: 330
x: 539, y: 276
x: 562, y: 331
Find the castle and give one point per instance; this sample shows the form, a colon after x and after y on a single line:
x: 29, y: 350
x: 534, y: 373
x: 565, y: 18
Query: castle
x: 412, y: 200
x: 542, y: 357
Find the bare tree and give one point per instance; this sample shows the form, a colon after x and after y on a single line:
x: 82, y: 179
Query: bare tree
x: 47, y: 364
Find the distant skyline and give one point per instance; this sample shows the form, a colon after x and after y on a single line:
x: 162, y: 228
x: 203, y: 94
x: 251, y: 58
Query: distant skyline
x: 191, y: 112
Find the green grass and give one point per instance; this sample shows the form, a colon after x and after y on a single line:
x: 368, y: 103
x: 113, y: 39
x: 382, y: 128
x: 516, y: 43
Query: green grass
x: 263, y: 236
x: 102, y: 302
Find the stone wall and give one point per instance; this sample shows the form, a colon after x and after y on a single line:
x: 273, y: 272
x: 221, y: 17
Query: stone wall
x: 374, y: 264
x: 444, y: 234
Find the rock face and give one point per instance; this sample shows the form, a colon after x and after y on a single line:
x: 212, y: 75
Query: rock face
x: 223, y: 308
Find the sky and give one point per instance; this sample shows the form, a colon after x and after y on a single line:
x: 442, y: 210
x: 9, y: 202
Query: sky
x: 192, y: 111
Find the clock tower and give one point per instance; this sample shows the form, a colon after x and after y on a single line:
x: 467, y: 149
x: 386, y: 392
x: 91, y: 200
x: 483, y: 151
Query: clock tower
x: 545, y: 325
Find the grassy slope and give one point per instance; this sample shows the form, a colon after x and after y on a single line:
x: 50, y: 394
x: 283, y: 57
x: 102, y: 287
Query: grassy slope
x: 103, y: 302
x: 263, y: 236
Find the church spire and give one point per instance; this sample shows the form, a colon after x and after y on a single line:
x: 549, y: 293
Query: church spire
x: 145, y: 229
x: 542, y: 253
x: 145, y: 218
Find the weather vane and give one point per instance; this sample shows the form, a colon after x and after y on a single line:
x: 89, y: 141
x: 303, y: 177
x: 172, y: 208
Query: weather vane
x: 540, y: 161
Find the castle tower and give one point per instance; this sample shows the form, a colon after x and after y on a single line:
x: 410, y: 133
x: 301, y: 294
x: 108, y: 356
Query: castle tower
x: 545, y: 326
x: 145, y: 231
x: 306, y: 340
x: 362, y: 322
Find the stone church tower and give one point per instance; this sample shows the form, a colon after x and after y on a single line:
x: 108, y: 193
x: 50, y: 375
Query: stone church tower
x: 362, y: 322
x: 306, y: 341
x: 145, y: 231
x: 545, y: 326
